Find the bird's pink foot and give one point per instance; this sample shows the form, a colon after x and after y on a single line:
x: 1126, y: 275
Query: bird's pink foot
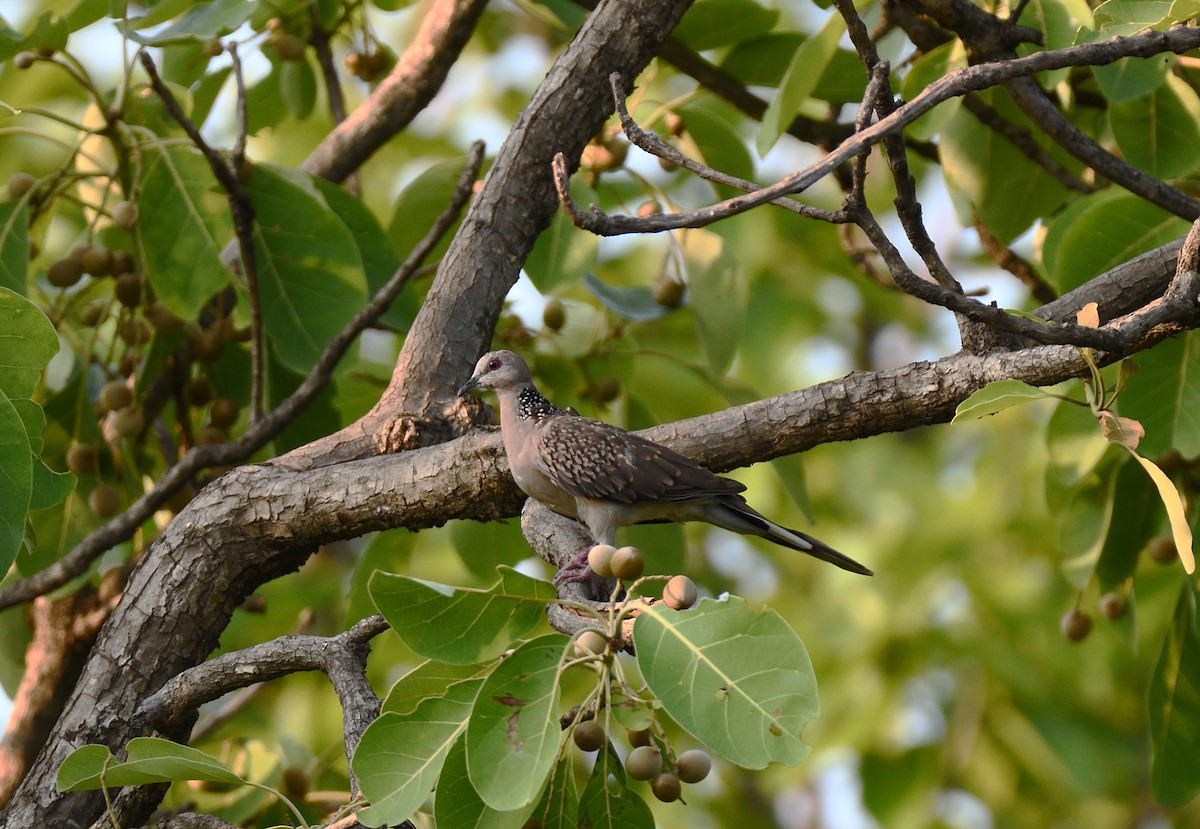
x: 576, y: 570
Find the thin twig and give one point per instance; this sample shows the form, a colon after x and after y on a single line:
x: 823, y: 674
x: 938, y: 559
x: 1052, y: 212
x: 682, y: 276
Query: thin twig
x: 1007, y: 259
x: 258, y: 434
x: 241, y: 209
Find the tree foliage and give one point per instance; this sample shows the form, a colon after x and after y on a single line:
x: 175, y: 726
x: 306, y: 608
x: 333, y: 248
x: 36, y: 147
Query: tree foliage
x: 249, y: 250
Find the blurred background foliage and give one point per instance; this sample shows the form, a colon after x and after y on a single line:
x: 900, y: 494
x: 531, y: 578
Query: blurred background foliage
x: 949, y: 696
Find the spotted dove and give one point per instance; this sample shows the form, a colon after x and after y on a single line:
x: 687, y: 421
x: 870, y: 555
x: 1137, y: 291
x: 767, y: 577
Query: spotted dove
x: 606, y: 478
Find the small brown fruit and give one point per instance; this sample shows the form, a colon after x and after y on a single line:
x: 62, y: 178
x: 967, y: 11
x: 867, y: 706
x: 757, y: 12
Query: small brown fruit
x: 589, y: 736
x: 121, y: 262
x: 24, y: 60
x: 669, y: 292
x: 104, y: 501
x: 96, y: 260
x: 1162, y: 549
x: 134, y: 331
x: 639, y: 738
x: 199, y: 391
x: 288, y: 45
x: 680, y: 593
x: 224, y: 413
x: 211, y: 434
x: 554, y: 314
x: 1113, y: 605
x: 666, y: 787
x: 674, y: 124
x: 115, y: 395
x: 64, y: 273
x: 1076, y: 624
x: 693, y: 766
x: 128, y: 422
x: 649, y: 208
x: 354, y: 63
x: 207, y: 345
x: 125, y: 215
x: 590, y: 643
x: 130, y: 289
x: 93, y: 313
x: 19, y: 184
x: 82, y: 458
x: 628, y: 564
x: 160, y: 317
x: 644, y: 763
x: 600, y: 559
x: 606, y: 390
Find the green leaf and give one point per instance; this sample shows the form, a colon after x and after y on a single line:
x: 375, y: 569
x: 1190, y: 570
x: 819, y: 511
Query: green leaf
x: 1127, y: 17
x: 375, y: 250
x: 717, y: 140
x: 632, y: 302
x: 14, y: 245
x: 421, y: 202
x: 607, y: 802
x: 1074, y: 446
x: 738, y: 679
x: 298, y: 83
x: 1136, y: 515
x: 428, y: 680
x: 16, y: 481
x: 926, y: 69
x: 996, y: 397
x: 456, y: 804
x: 461, y: 625
x: 49, y: 487
x: 989, y: 176
x: 761, y: 61
x: 1155, y: 131
x: 710, y: 24
x: 1164, y: 396
x: 485, y: 546
x: 310, y: 277
x: 1100, y: 231
x: 400, y: 756
x: 187, y: 223
x: 563, y: 253
x: 149, y: 760
x: 27, y: 341
x: 514, y: 734
x: 798, y: 83
x: 1174, y: 702
x: 559, y: 806
x: 718, y: 297
x: 202, y: 21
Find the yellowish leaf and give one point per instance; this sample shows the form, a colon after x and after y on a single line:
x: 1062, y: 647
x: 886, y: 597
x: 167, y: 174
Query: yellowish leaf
x: 1123, y: 430
x: 1088, y: 315
x: 1175, y: 513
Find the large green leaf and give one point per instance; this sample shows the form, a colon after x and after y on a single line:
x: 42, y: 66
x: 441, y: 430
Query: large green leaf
x: 799, y: 81
x: 989, y: 176
x: 738, y: 679
x: 514, y: 734
x: 148, y: 760
x: 420, y: 203
x: 1136, y: 516
x: 16, y: 481
x: 456, y: 804
x: 14, y: 245
x: 310, y: 276
x: 427, y: 680
x: 607, y: 802
x: 710, y: 24
x: 1102, y: 230
x: 1174, y: 701
x: 996, y: 397
x: 1164, y: 396
x: 484, y: 546
x: 559, y: 806
x: 718, y: 297
x: 563, y: 253
x: 27, y: 342
x: 457, y: 624
x: 1157, y: 131
x: 201, y: 22
x: 401, y: 755
x: 186, y: 225
x: 717, y: 140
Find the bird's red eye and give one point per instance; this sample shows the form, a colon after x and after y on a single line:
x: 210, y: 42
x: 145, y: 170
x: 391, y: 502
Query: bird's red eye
x: 493, y: 364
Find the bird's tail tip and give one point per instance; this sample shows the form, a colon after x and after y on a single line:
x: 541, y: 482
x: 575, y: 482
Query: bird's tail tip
x: 819, y: 549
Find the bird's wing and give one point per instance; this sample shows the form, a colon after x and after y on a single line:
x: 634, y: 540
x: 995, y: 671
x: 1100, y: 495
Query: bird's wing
x: 592, y: 459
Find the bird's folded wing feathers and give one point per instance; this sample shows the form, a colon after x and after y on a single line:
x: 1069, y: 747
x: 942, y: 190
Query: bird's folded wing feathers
x: 592, y: 459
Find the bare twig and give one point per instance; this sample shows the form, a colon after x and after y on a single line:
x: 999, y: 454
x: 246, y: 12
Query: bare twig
x: 241, y: 209
x: 343, y: 658
x: 1004, y: 256
x: 954, y: 84
x: 258, y: 434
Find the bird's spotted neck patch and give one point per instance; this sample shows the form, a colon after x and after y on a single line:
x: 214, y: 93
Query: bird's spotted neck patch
x: 532, y: 405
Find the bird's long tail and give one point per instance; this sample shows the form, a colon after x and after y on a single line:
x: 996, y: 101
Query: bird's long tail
x: 733, y: 513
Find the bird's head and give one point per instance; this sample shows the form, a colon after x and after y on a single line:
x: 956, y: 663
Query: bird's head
x: 498, y: 370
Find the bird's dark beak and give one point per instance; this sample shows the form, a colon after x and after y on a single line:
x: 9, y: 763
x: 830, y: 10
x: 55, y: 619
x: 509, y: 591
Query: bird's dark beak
x: 467, y: 386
